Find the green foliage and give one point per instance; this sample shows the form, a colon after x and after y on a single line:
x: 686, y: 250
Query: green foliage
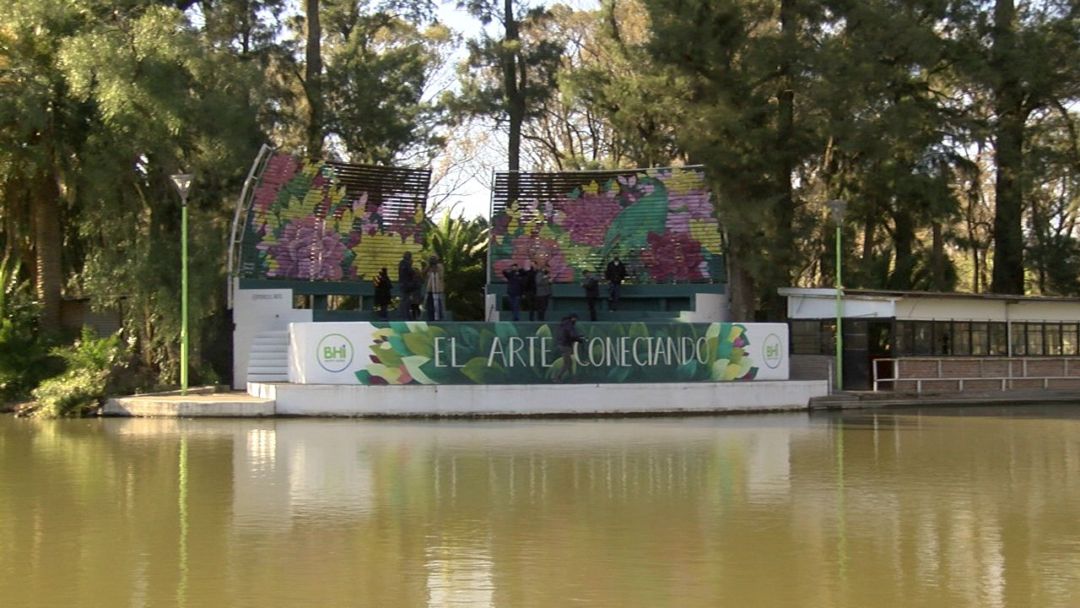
x: 90, y: 365
x: 23, y: 351
x: 461, y: 245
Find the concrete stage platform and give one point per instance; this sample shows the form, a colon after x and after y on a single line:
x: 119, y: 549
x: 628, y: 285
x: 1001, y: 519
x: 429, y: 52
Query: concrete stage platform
x: 538, y: 400
x: 327, y: 400
x: 193, y: 405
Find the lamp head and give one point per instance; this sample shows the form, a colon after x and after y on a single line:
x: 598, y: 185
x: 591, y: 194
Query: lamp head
x: 837, y: 208
x: 182, y: 181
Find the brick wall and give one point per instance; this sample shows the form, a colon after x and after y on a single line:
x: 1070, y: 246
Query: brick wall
x: 940, y: 375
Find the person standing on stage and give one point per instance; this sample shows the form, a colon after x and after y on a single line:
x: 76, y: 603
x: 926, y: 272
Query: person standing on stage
x: 409, y: 286
x: 383, y: 293
x: 514, y: 285
x: 592, y: 293
x: 436, y: 288
x: 543, y: 292
x: 615, y: 273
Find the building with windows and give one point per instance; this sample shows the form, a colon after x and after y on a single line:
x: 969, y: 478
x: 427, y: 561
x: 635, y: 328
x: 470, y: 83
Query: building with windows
x: 940, y: 341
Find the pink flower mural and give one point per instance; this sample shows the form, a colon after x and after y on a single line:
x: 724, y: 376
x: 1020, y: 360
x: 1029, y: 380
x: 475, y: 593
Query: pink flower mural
x: 304, y: 225
x: 661, y: 222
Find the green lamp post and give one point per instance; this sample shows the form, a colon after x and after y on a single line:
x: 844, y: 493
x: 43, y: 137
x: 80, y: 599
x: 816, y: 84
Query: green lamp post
x: 182, y: 182
x: 836, y: 209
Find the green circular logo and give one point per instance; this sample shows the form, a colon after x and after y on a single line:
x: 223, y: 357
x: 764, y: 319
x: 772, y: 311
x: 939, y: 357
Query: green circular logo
x: 334, y: 353
x: 771, y: 351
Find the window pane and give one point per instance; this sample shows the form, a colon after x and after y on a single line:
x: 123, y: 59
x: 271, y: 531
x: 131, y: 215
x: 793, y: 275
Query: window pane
x: 1019, y: 340
x: 961, y: 338
x: 1052, y: 331
x: 905, y: 332
x: 806, y: 337
x: 1069, y: 339
x: 923, y: 341
x: 828, y: 335
x: 999, y: 342
x: 943, y: 338
x: 1034, y: 339
x: 980, y: 339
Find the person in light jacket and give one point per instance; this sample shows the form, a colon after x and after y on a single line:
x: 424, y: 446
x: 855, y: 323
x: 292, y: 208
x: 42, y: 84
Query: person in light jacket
x: 436, y: 289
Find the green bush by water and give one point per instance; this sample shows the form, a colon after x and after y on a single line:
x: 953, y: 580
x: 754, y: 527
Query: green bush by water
x: 90, y: 365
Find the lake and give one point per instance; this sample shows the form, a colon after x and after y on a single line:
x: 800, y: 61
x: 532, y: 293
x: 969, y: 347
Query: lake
x: 971, y: 507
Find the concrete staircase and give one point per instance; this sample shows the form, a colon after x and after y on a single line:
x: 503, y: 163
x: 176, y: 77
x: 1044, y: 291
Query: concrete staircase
x: 269, y: 357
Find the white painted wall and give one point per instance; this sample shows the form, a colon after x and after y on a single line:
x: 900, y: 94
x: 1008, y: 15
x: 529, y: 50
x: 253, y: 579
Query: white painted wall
x: 256, y: 311
x: 708, y: 308
x: 466, y: 400
x: 821, y: 304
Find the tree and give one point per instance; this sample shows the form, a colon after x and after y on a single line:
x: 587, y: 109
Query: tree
x: 112, y: 100
x: 744, y: 61
x: 615, y: 107
x: 1023, y: 60
x: 361, y: 91
x: 513, y: 74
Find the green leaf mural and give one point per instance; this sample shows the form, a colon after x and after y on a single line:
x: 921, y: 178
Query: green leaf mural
x: 526, y: 353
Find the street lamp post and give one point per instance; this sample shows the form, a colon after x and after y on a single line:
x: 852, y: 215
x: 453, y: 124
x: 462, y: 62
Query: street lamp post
x: 836, y: 209
x: 182, y: 182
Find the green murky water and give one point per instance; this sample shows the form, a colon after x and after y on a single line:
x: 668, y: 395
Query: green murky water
x: 972, y: 507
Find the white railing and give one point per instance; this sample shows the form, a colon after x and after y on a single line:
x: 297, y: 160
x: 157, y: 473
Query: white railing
x: 1018, y: 369
x: 236, y: 234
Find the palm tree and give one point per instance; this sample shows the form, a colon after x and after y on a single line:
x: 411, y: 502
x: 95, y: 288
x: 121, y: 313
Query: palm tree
x: 461, y: 245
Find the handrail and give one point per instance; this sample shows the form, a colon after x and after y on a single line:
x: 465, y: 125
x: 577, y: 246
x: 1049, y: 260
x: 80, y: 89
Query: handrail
x: 1005, y: 380
x: 236, y: 238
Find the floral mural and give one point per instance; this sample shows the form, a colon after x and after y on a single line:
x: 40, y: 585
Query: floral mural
x: 661, y: 222
x: 307, y: 222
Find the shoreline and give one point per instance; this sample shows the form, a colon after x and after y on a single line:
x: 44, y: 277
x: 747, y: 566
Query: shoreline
x: 237, y: 404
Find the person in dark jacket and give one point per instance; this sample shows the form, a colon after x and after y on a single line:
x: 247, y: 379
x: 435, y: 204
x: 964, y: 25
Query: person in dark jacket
x: 615, y: 273
x: 543, y: 292
x: 592, y: 293
x: 383, y: 293
x: 528, y: 289
x: 566, y: 338
x: 515, y: 285
x: 409, y: 285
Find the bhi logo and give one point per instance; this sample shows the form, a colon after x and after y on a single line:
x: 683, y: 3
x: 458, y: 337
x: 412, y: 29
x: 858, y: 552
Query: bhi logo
x: 334, y: 353
x: 772, y: 351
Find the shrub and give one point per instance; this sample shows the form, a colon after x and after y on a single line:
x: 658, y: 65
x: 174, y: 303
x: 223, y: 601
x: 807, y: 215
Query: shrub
x: 24, y: 353
x: 91, y: 363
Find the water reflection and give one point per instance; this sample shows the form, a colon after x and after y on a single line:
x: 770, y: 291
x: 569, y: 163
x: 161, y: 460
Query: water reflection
x: 909, y: 508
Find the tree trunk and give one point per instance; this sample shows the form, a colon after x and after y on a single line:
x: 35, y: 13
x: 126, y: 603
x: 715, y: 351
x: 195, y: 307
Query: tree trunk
x: 741, y: 289
x: 784, y: 212
x: 313, y: 80
x: 48, y: 244
x: 515, y: 98
x: 903, y: 240
x: 1008, y: 273
x: 938, y: 280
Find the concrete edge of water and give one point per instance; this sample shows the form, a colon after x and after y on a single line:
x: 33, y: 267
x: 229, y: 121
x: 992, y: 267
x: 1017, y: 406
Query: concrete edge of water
x: 870, y: 400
